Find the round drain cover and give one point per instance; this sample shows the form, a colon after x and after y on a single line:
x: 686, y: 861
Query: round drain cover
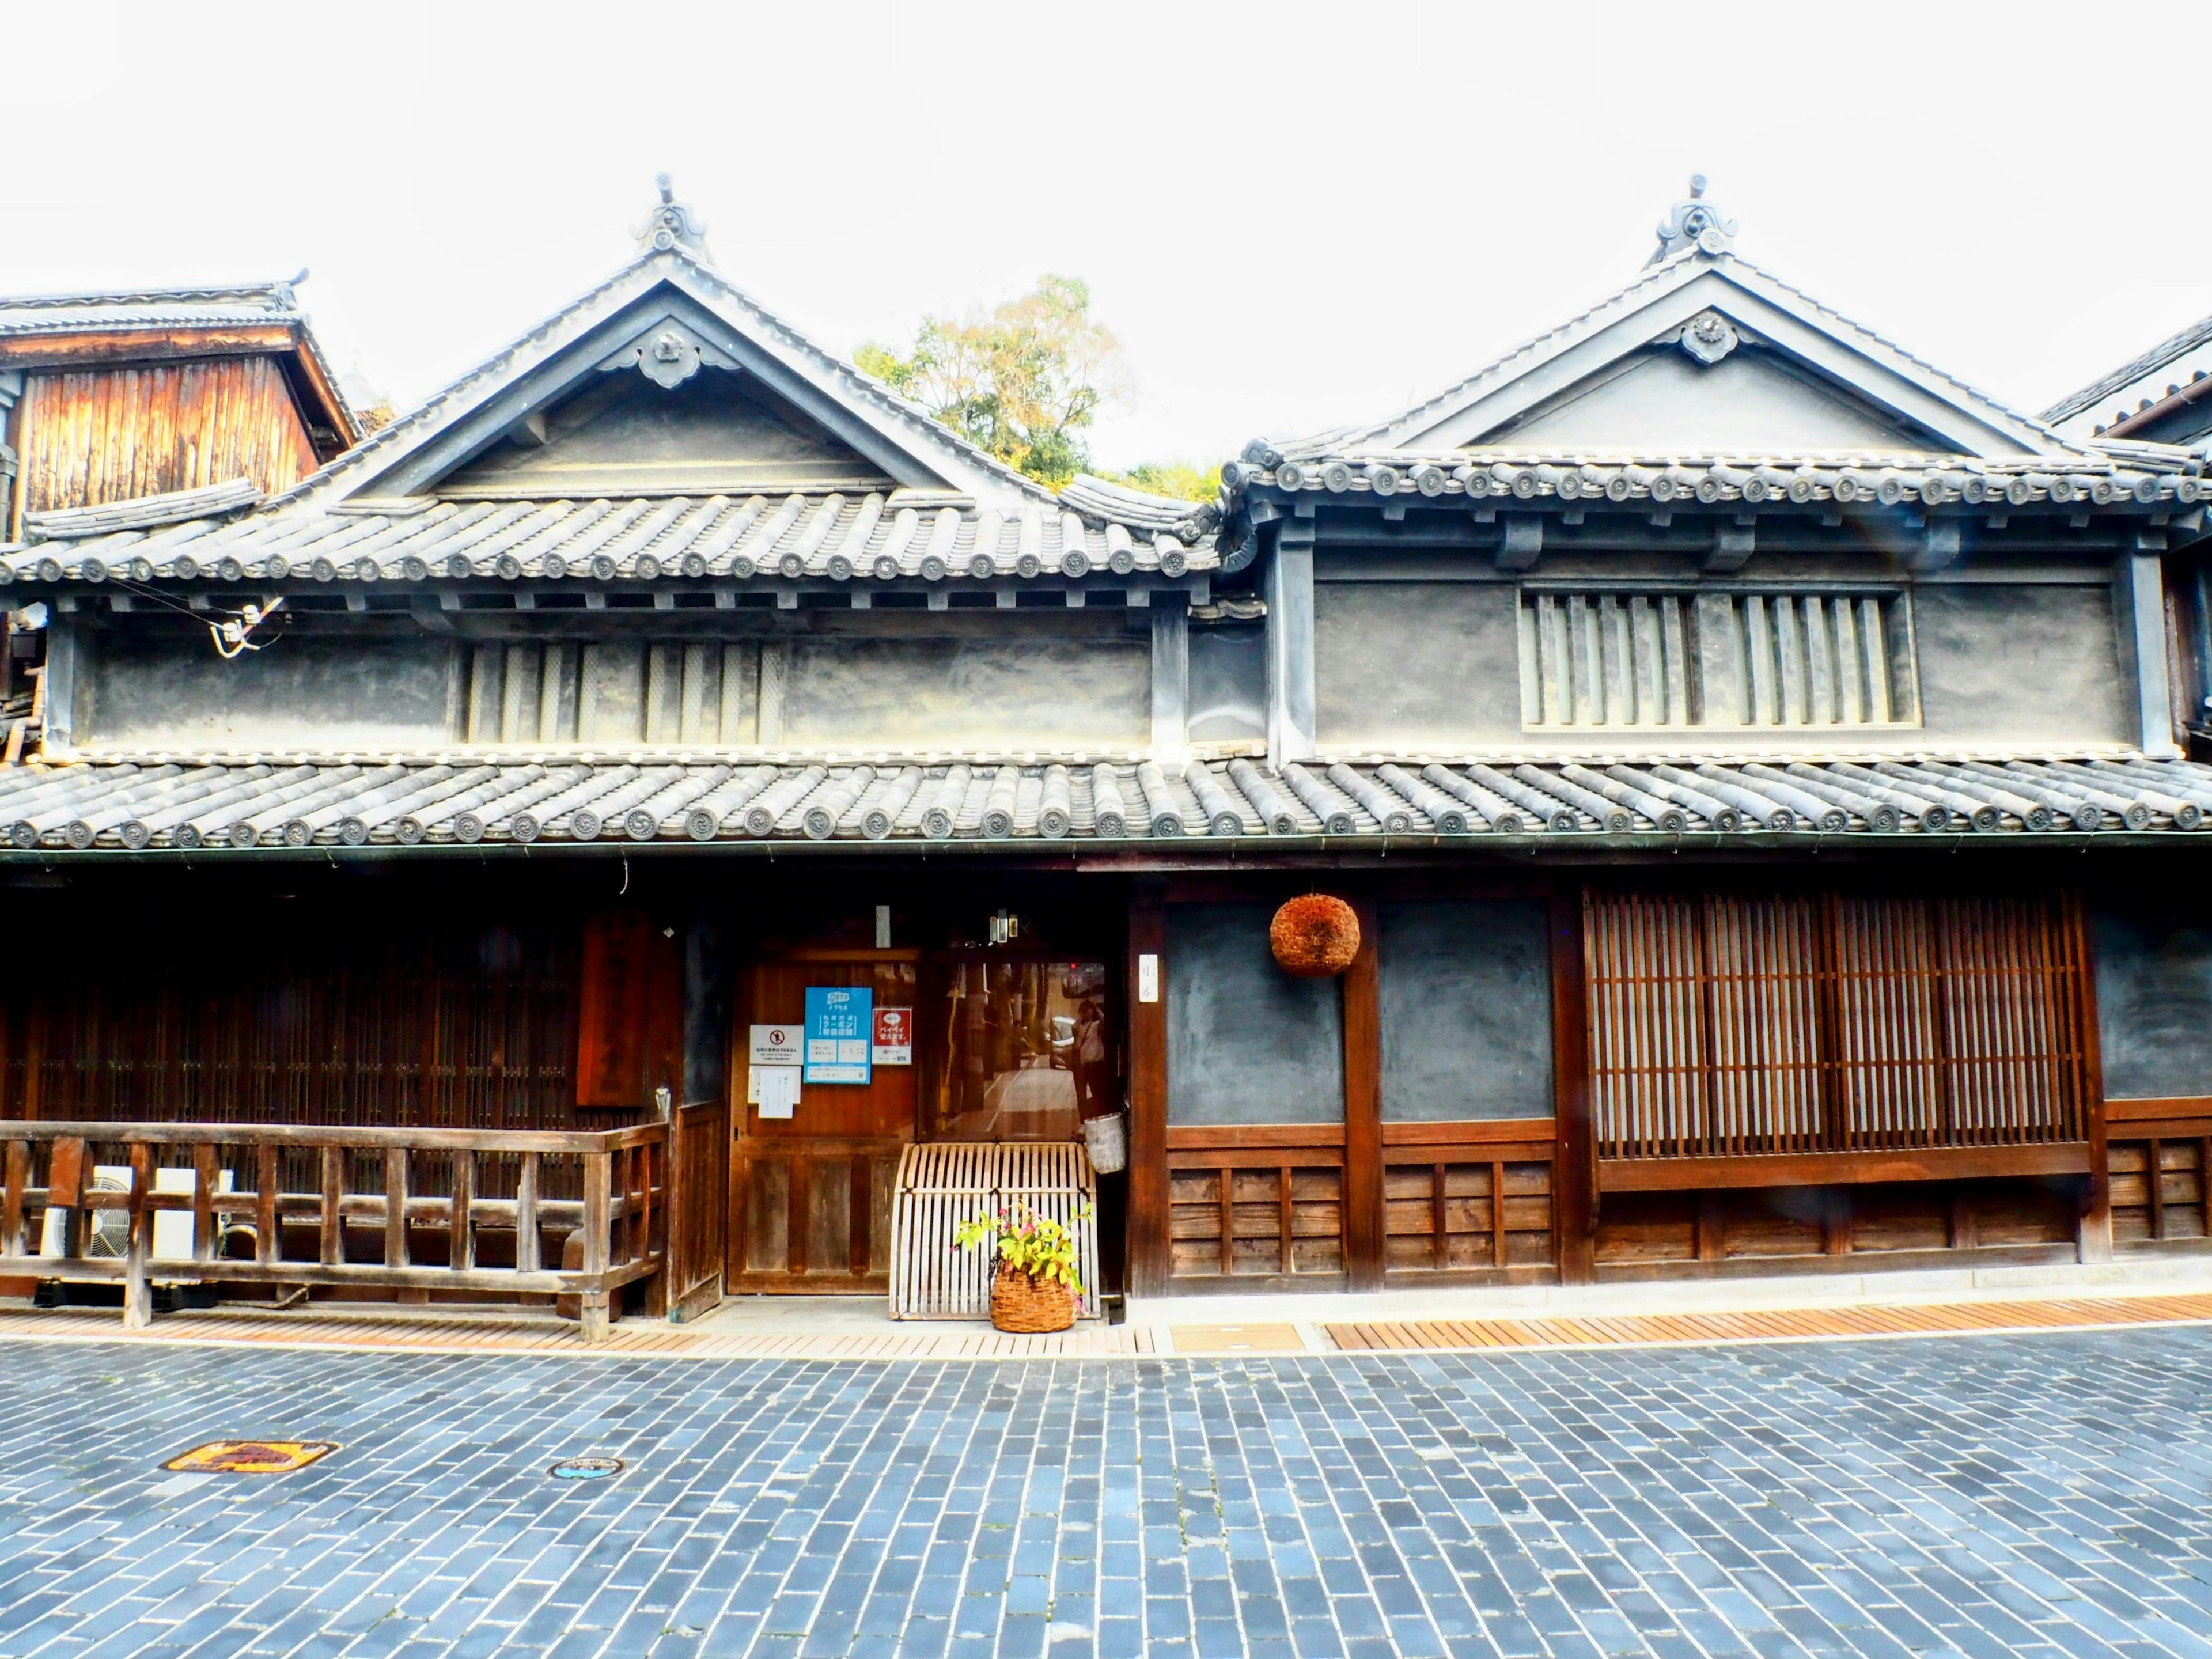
x: 585, y: 1468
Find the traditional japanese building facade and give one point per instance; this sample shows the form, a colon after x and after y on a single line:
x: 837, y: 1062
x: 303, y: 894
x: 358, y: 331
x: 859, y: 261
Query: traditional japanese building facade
x: 1755, y: 759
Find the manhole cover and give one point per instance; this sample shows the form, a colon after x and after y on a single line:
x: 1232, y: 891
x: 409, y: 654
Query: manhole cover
x: 250, y: 1457
x: 586, y: 1468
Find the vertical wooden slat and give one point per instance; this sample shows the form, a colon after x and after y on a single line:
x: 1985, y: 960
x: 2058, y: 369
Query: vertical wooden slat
x: 1228, y: 1221
x: 1497, y: 1252
x: 1574, y: 1167
x: 1149, y: 1244
x: 529, y: 1249
x: 2096, y: 1237
x: 798, y: 1213
x: 860, y: 1235
x: 138, y: 1285
x: 2154, y: 1187
x: 461, y: 1245
x: 598, y: 1172
x: 1364, y: 1242
x: 204, y: 1175
x: 12, y: 1242
x: 1286, y: 1221
x: 268, y: 1243
x: 395, y: 1206
x: 332, y: 1251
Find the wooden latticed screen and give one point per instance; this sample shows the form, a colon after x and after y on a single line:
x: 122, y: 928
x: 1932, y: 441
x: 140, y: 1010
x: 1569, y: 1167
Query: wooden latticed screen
x: 1726, y: 1024
x: 413, y: 1024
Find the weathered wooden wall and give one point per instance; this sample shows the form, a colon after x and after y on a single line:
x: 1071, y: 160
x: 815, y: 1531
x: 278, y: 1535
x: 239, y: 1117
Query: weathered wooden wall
x: 245, y: 1016
x: 106, y: 434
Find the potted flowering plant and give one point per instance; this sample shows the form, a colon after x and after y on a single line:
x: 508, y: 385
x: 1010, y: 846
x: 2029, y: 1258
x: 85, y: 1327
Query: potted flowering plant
x: 1036, y: 1287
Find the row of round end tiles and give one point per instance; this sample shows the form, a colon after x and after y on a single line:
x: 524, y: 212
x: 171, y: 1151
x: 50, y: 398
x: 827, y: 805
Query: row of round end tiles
x: 1882, y: 486
x: 444, y: 804
x: 1172, y: 562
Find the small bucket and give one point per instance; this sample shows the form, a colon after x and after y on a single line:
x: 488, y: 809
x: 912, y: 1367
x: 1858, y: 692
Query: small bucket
x: 1107, y: 1140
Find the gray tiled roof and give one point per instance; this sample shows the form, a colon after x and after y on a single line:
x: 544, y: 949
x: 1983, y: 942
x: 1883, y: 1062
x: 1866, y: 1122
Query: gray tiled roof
x: 2128, y: 373
x: 465, y: 798
x: 837, y: 536
x: 175, y: 307
x: 2146, y: 475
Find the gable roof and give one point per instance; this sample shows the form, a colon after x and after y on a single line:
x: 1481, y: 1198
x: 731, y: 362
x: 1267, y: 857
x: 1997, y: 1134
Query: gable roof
x: 945, y: 506
x: 662, y: 287
x: 1664, y: 298
x: 133, y: 324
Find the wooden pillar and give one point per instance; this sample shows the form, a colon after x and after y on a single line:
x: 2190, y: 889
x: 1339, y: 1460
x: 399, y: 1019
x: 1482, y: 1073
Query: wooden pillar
x: 2094, y: 1240
x: 1363, y: 1109
x: 1574, y: 1184
x: 1148, y: 1242
x: 597, y: 1183
x: 2139, y: 607
x: 1170, y: 677
x: 1291, y: 701
x: 138, y: 1287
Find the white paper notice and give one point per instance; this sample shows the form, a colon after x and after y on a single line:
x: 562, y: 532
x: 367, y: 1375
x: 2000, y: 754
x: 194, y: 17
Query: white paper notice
x: 1148, y: 977
x: 774, y: 1090
x: 776, y: 1045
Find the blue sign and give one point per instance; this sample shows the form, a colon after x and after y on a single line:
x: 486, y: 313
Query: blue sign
x: 840, y: 1025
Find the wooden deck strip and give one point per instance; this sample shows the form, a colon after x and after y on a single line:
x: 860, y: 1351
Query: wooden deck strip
x: 640, y: 1338
x: 1789, y: 1324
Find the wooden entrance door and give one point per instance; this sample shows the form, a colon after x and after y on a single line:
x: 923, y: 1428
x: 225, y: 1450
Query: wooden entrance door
x: 811, y: 1195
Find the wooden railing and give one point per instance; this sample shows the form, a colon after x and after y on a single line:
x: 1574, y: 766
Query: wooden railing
x: 442, y: 1210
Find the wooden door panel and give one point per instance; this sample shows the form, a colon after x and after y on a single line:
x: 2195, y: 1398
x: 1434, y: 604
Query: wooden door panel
x: 810, y: 1194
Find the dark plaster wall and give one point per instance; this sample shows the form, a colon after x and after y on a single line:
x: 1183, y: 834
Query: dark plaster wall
x: 1247, y: 1043
x: 2154, y: 1000
x: 1403, y: 663
x: 1466, y: 1010
x: 1034, y: 691
x: 2001, y: 663
x: 301, y: 691
x: 1228, y: 683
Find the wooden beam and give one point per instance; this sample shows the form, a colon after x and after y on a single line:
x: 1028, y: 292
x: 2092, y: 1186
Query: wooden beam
x: 1148, y: 1241
x: 1574, y: 1196
x: 1657, y: 1175
x: 2095, y: 1241
x: 1364, y: 1246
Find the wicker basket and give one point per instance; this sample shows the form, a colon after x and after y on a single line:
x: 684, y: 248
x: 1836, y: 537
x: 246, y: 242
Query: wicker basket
x: 1026, y: 1305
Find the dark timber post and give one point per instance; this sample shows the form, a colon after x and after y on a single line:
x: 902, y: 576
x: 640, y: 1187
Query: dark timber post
x: 1574, y: 1195
x: 1148, y: 1241
x: 1363, y: 1110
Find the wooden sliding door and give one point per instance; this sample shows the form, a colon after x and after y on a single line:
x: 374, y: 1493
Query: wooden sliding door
x: 810, y: 1194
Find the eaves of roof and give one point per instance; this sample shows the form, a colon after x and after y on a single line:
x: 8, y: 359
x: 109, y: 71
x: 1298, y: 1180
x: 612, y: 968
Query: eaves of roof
x: 2145, y: 477
x: 180, y: 806
x: 2196, y: 334
x: 900, y: 535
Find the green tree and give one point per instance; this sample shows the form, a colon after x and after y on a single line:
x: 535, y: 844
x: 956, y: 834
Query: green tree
x: 1181, y: 479
x: 1021, y: 381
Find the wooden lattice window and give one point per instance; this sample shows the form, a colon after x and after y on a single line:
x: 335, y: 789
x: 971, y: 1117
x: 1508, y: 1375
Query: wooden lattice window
x: 1750, y: 657
x: 1723, y: 1024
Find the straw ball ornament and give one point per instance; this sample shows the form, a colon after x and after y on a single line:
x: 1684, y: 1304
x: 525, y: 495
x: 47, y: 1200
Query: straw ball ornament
x: 1315, y: 937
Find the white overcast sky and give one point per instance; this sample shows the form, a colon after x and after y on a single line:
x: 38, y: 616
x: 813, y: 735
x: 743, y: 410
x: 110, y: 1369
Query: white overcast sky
x: 1294, y: 216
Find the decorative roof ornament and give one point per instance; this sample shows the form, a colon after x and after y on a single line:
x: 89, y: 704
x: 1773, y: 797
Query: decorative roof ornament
x: 1695, y: 224
x: 673, y: 225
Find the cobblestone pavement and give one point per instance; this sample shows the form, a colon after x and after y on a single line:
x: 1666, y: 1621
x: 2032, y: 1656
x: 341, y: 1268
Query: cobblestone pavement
x: 2024, y: 1495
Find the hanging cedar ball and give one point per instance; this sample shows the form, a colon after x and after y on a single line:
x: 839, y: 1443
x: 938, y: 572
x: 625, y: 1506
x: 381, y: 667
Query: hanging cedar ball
x: 1315, y: 937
